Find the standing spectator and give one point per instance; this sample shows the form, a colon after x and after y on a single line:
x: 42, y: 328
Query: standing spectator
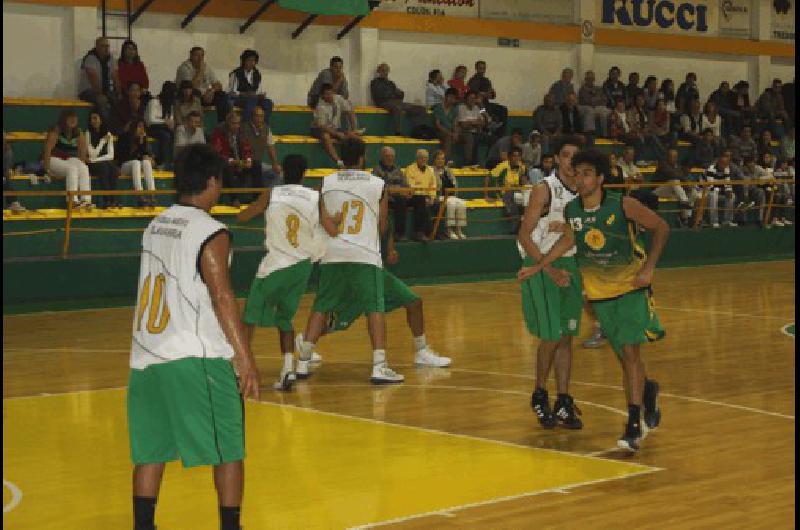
x: 742, y: 104
x: 445, y: 120
x: 483, y: 86
x: 435, y: 89
x: 187, y: 102
x: 563, y: 87
x: 770, y: 106
x: 532, y: 150
x: 788, y: 100
x: 160, y: 119
x: 632, y: 89
x: 650, y: 92
x: 205, y: 83
x: 128, y: 110
x: 711, y: 119
x: 471, y: 123
x: 100, y: 150
x: 594, y: 106
x: 743, y: 146
x: 671, y: 174
x: 240, y: 171
x: 393, y: 176
x: 189, y: 133
x: 502, y: 147
x: 98, y: 77
x: 333, y: 76
x: 706, y: 150
x: 259, y: 135
x: 136, y: 160
x: 720, y: 196
x: 725, y: 100
x: 386, y: 95
x: 131, y: 69
x: 667, y: 93
x: 65, y: 156
x: 687, y: 92
x: 548, y: 119
x: 8, y: 162
x: 458, y: 83
x: 692, y: 123
x: 508, y: 174
x: 327, y: 124
x: 537, y: 174
x: 245, y: 89
x: 455, y: 208
x: 571, y: 118
x: 787, y: 146
x: 641, y: 131
x: 613, y: 87
x: 422, y: 181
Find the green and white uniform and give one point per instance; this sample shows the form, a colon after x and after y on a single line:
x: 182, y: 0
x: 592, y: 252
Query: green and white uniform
x: 610, y: 255
x: 550, y: 311
x: 183, y: 399
x: 293, y: 240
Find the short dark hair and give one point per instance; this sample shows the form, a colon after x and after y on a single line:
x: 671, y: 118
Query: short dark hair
x: 548, y: 155
x: 324, y: 87
x: 566, y: 140
x: 592, y: 158
x: 451, y: 92
x: 516, y: 150
x: 352, y: 150
x: 480, y: 62
x: 516, y: 130
x: 336, y: 59
x: 194, y: 166
x: 247, y: 54
x: 196, y: 48
x: 433, y: 73
x: 294, y: 167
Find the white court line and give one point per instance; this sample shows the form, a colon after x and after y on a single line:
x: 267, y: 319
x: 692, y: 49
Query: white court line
x: 785, y: 330
x: 16, y: 496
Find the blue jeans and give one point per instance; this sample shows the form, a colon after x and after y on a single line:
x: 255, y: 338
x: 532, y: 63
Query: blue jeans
x: 249, y: 103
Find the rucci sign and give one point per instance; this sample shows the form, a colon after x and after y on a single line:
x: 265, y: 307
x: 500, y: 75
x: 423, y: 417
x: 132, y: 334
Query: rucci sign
x: 688, y: 16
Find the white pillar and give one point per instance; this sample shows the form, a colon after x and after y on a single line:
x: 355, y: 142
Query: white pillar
x: 585, y: 13
x: 364, y: 53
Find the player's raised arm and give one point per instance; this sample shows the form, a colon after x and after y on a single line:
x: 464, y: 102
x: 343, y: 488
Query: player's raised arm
x: 647, y: 218
x: 214, y: 271
x: 256, y: 208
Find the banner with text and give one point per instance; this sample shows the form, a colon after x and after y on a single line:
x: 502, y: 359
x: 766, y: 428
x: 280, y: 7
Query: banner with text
x: 450, y: 8
x: 688, y: 17
x: 529, y: 10
x: 782, y: 21
x: 734, y: 18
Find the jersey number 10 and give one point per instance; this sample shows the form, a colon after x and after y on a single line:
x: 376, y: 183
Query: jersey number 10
x: 354, y: 224
x: 155, y: 302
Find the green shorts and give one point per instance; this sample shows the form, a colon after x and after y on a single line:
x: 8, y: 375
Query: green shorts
x: 396, y: 294
x: 189, y: 408
x: 349, y: 289
x: 629, y: 319
x: 550, y: 311
x: 273, y: 300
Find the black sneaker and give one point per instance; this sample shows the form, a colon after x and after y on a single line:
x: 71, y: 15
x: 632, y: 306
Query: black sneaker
x: 652, y: 414
x: 540, y: 404
x: 567, y: 412
x: 631, y: 438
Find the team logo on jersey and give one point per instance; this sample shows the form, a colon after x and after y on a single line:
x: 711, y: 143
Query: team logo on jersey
x: 595, y: 239
x: 611, y: 219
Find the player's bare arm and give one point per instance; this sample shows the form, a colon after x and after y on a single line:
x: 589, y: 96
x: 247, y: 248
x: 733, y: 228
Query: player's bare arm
x: 215, y: 273
x: 392, y: 257
x: 330, y: 223
x: 540, y: 196
x: 383, y: 216
x: 561, y: 278
x: 648, y: 219
x: 256, y: 208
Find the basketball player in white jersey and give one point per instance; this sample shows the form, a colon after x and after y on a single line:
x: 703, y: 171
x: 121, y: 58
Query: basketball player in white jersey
x: 183, y: 397
x: 292, y: 221
x: 552, y: 299
x: 351, y: 275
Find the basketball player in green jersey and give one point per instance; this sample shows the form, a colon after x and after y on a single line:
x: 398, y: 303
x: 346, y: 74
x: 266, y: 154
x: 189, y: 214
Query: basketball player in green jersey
x: 617, y: 276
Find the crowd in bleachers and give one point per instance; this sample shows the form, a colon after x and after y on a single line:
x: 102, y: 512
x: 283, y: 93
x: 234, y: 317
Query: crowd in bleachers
x: 133, y: 132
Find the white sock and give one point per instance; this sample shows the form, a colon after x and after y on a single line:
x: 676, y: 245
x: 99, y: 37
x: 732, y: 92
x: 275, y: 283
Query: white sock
x: 378, y: 357
x: 306, y: 349
x: 288, y: 362
x: 420, y: 343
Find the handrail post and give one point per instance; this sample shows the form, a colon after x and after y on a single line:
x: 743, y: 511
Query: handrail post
x: 701, y: 209
x: 67, y: 225
x: 438, y: 218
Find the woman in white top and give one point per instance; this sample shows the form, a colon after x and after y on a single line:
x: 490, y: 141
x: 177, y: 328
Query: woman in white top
x: 65, y: 156
x: 100, y: 147
x: 456, y: 209
x: 711, y: 119
x: 159, y: 116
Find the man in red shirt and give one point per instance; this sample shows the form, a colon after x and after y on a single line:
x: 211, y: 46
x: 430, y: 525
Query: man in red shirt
x: 240, y: 171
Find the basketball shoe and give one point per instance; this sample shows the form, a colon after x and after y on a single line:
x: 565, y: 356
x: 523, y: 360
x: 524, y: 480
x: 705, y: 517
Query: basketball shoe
x: 631, y: 438
x: 302, y: 368
x: 596, y: 340
x: 285, y: 381
x: 567, y: 412
x: 428, y: 357
x: 540, y: 403
x: 652, y: 414
x: 382, y: 374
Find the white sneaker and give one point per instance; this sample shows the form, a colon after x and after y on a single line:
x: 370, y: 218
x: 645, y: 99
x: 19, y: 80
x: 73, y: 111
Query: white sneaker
x: 302, y: 370
x: 787, y: 222
x: 285, y: 382
x: 382, y: 374
x: 715, y: 225
x: 428, y: 357
x: 731, y: 223
x: 451, y: 234
x: 461, y: 234
x: 315, y: 357
x: 778, y: 222
x: 16, y: 207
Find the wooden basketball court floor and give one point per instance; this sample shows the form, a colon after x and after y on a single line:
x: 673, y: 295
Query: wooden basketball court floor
x: 451, y: 448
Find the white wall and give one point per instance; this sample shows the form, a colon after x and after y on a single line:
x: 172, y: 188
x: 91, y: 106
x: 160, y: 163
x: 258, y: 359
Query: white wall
x: 783, y: 70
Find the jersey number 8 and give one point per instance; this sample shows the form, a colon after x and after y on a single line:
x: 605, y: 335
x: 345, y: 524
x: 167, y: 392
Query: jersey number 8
x: 292, y: 227
x: 358, y: 217
x: 155, y: 302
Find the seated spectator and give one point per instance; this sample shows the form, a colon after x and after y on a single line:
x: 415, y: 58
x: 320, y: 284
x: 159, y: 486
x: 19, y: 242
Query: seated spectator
x: 386, y: 95
x: 614, y: 171
x: 455, y: 208
x: 240, y: 171
x: 742, y: 104
x: 671, y: 173
x: 160, y: 119
x: 667, y: 93
x: 422, y: 181
x: 508, y: 174
x: 205, y: 83
x: 190, y: 132
x: 650, y: 92
x: 458, y: 83
x: 640, y: 130
x: 398, y: 200
x: 333, y: 76
x: 471, y: 123
x: 435, y: 89
x: 131, y: 69
x: 483, y: 86
x: 787, y: 146
x: 721, y: 196
x: 632, y: 89
x: 613, y: 88
x: 327, y: 123
x: 618, y: 128
x: 135, y: 160
x: 563, y: 87
x: 502, y: 147
x: 631, y: 174
x: 8, y: 162
x: 445, y: 120
x: 743, y: 146
x: 687, y: 93
x: 64, y: 156
x: 245, y: 89
x: 571, y: 118
x: 128, y: 110
x: 706, y: 150
x: 711, y: 119
x: 532, y: 150
x: 771, y: 108
x: 537, y: 174
x: 764, y: 143
x: 692, y: 123
x: 628, y: 173
x: 186, y: 103
x: 258, y: 134
x: 100, y: 148
x: 548, y: 119
x: 594, y: 106
x: 98, y: 77
x: 660, y: 124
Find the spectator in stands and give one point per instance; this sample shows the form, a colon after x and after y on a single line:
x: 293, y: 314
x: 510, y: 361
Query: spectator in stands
x: 471, y: 123
x: 532, y: 150
x: 333, y: 76
x: 455, y: 208
x: 692, y: 123
x: 771, y: 108
x: 687, y: 92
x: 240, y: 170
x: 186, y: 103
x: 537, y: 174
x: 548, y: 119
x: 100, y: 150
x: 398, y: 200
x: 160, y: 119
x: 613, y: 87
x: 757, y: 194
x: 571, y: 118
x: 136, y: 160
x: 205, y: 83
x: 764, y: 143
x: 725, y: 100
x: 435, y: 89
x: 98, y: 77
x: 618, y: 128
x: 706, y: 150
x: 507, y: 174
x: 743, y: 146
x: 720, y: 196
x: 650, y: 92
x: 8, y: 162
x: 787, y: 145
x: 788, y: 100
x: 641, y: 132
x: 131, y: 69
x: 445, y: 120
x: 711, y: 119
x: 190, y: 132
x: 742, y: 104
x: 457, y: 82
x: 594, y: 106
x: 422, y: 181
x: 483, y: 85
x: 258, y: 134
x: 502, y: 147
x: 660, y: 121
x: 386, y: 95
x: 128, y: 110
x: 65, y: 156
x: 615, y: 174
x: 784, y: 195
x: 671, y: 173
x: 667, y: 93
x: 631, y: 174
x: 563, y: 87
x: 245, y: 89
x: 632, y: 89
x: 327, y: 124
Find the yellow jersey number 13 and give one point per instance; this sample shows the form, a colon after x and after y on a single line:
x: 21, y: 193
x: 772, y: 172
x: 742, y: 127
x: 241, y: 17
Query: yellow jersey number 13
x: 352, y: 217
